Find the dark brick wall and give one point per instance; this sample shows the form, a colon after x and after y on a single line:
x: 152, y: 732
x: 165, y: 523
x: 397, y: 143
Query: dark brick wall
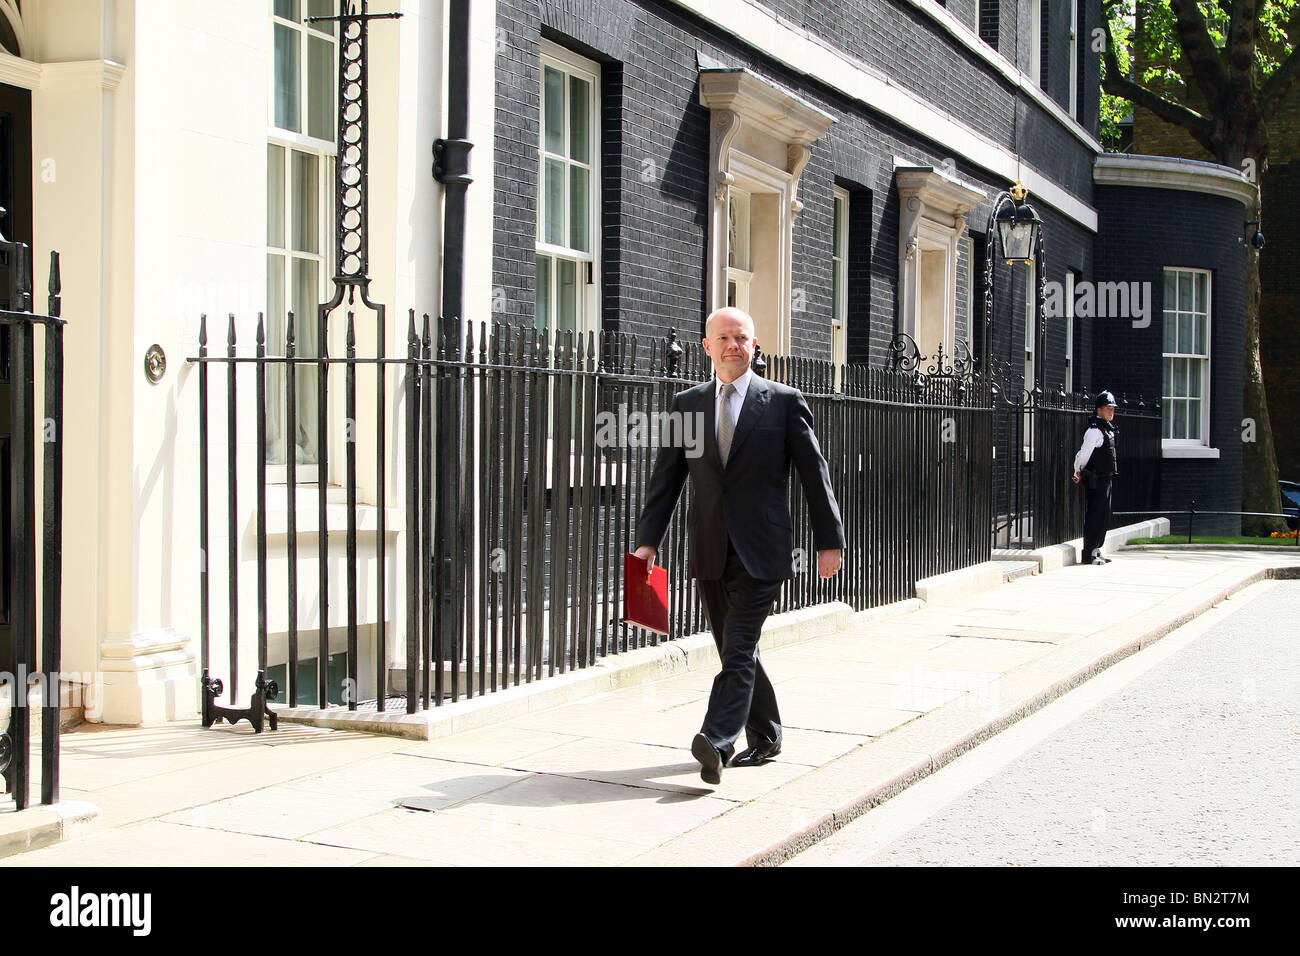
x: 655, y: 154
x: 1141, y: 232
x: 967, y: 11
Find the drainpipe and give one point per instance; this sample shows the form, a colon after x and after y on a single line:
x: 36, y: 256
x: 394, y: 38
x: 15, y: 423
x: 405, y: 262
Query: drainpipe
x: 451, y: 169
x: 451, y: 163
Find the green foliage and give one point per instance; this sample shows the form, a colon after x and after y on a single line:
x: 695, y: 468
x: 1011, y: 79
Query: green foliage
x: 1114, y: 109
x: 1148, y: 50
x: 1146, y: 29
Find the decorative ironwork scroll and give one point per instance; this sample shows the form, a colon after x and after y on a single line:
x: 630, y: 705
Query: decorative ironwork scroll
x: 351, y: 210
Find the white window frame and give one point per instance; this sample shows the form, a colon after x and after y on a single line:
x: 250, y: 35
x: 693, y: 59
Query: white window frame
x: 1070, y: 283
x: 588, y: 262
x: 840, y: 270
x: 973, y: 282
x: 1031, y: 358
x: 1173, y: 446
x: 1073, y: 103
x: 932, y: 218
x: 300, y: 138
x: 325, y: 152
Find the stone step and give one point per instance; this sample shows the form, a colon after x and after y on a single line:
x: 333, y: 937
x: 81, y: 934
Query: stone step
x: 1012, y: 570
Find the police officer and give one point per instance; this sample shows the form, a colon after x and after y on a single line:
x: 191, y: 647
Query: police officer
x: 1097, y: 462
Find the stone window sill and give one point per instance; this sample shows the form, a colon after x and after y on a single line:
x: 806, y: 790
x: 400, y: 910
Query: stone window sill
x: 1188, y: 451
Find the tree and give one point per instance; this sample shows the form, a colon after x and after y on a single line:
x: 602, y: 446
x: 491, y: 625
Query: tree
x: 1219, y: 69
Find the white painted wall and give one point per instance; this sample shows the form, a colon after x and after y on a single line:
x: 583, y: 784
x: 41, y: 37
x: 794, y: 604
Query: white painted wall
x: 159, y: 207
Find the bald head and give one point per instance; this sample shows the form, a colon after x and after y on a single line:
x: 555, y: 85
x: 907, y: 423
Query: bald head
x: 728, y: 313
x: 729, y: 342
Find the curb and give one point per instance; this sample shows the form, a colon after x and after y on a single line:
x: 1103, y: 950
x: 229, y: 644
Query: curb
x: 43, y: 826
x: 905, y: 748
x: 1266, y: 548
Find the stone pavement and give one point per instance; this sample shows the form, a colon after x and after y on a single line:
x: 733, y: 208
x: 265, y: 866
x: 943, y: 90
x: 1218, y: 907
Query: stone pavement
x: 609, y: 780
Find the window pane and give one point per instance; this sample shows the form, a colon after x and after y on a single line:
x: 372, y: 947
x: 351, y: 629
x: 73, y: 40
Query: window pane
x: 1194, y: 419
x: 275, y: 326
x: 1166, y: 419
x: 553, y: 110
x: 287, y: 98
x: 1166, y: 378
x: 1202, y: 297
x: 1200, y: 336
x: 738, y: 230
x: 835, y: 292
x: 554, y: 231
x: 1184, y: 291
x: 320, y: 88
x: 1171, y: 331
x: 275, y: 305
x: 566, y: 300
x: 579, y: 119
x: 837, y: 227
x: 1180, y: 420
x: 542, y: 309
x: 1195, y: 369
x: 1171, y: 291
x: 579, y: 224
x: 305, y: 291
x: 287, y: 9
x: 321, y: 8
x: 275, y: 196
x: 1180, y: 377
x: 305, y: 297
x: 306, y: 230
x: 1184, y: 332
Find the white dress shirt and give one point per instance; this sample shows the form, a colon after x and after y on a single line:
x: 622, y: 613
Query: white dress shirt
x: 1092, y: 440
x: 737, y: 399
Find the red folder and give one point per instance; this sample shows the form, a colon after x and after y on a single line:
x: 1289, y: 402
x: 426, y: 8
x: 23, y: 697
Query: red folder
x: 645, y: 596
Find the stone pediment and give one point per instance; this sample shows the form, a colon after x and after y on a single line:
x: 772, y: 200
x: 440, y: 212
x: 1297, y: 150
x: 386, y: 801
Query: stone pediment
x: 763, y: 105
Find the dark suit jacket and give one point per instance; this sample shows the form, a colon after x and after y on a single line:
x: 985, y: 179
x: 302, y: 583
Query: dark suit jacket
x: 748, y: 500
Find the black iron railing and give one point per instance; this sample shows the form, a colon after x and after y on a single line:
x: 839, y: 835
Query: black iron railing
x: 1035, y: 502
x: 521, y: 459
x: 30, y: 601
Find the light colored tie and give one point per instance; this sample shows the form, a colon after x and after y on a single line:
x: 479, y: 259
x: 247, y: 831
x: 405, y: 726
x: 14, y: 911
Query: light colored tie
x: 726, y: 425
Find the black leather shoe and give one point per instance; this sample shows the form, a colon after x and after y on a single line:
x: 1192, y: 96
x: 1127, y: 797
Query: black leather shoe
x: 756, y: 756
x: 711, y: 760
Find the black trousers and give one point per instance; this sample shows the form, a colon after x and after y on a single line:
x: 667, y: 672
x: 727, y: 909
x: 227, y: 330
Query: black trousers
x: 742, y: 697
x: 1096, y: 519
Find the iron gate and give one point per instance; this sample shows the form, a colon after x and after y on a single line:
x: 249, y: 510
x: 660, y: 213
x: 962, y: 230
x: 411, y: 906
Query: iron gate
x: 29, y: 602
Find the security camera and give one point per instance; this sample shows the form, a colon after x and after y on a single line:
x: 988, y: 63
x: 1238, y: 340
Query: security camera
x: 1257, y: 240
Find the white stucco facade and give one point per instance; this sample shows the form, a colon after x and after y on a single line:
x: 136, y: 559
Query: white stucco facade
x: 150, y: 129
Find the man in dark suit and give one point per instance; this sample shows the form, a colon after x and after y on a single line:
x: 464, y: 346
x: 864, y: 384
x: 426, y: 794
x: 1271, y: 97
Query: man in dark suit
x: 741, y: 536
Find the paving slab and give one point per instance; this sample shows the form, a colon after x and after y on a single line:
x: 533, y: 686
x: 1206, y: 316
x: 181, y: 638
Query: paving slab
x: 437, y: 839
x: 154, y: 843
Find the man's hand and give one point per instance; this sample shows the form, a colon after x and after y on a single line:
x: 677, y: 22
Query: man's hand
x: 647, y: 554
x: 828, y: 563
x: 1075, y: 479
